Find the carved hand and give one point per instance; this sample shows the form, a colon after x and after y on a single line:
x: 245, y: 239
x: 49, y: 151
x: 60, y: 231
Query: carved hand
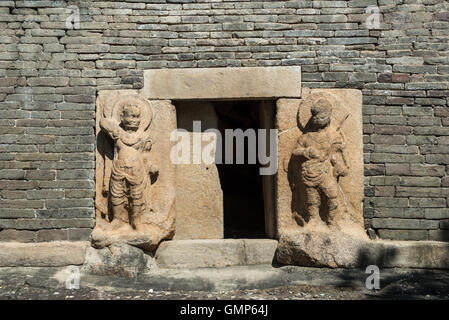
x: 153, y: 169
x: 298, y: 151
x: 314, y: 153
x: 148, y: 145
x: 110, y: 127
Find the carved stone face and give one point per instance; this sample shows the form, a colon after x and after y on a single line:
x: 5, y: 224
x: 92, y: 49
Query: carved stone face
x: 321, y: 114
x: 320, y: 122
x: 131, y: 117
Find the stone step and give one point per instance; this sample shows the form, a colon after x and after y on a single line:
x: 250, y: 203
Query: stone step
x: 204, y: 253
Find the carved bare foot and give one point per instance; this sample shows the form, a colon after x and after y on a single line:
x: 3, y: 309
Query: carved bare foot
x: 315, y: 222
x: 120, y: 225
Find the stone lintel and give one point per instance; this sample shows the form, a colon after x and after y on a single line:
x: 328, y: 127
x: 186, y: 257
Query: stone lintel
x: 223, y: 83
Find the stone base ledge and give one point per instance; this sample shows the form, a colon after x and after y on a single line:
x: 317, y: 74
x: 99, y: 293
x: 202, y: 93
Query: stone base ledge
x: 407, y: 254
x: 215, y: 253
x: 218, y: 253
x: 43, y: 254
x: 346, y: 250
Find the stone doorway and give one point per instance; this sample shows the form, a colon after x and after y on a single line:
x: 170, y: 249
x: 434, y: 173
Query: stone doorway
x: 198, y: 187
x: 196, y: 203
x: 185, y: 204
x: 226, y: 199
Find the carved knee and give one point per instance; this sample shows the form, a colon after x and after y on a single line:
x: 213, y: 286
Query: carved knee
x: 313, y: 197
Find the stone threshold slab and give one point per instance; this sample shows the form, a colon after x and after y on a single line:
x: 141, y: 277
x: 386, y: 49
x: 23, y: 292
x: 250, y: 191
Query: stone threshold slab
x: 215, y: 253
x: 223, y: 83
x: 43, y: 254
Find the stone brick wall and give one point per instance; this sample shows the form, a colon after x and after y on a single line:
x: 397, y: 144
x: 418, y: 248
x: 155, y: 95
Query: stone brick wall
x: 49, y: 76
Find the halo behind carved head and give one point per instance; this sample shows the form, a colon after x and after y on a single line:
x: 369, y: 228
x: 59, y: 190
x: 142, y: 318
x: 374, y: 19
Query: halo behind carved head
x: 145, y: 109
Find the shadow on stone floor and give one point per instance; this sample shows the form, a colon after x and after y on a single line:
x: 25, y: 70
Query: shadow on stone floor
x: 397, y: 283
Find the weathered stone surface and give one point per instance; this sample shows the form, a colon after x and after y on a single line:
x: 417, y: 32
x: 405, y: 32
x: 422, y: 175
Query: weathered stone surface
x: 215, y: 253
x: 259, y: 251
x: 45, y: 254
x: 199, y: 198
x: 135, y: 187
x: 118, y: 260
x: 352, y: 251
x: 222, y: 83
x: 322, y: 247
x: 319, y: 188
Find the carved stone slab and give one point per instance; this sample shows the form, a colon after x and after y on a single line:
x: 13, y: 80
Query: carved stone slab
x: 320, y: 179
x: 199, y: 198
x: 135, y: 179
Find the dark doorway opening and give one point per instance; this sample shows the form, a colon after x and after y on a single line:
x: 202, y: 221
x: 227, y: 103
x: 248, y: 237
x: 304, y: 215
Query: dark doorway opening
x: 247, y: 197
x: 242, y: 185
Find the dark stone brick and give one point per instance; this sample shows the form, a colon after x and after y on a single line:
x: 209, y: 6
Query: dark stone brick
x: 385, y: 77
x: 403, y: 234
x: 392, y: 129
x: 400, y: 77
x: 8, y: 235
x: 51, y: 235
x: 444, y: 224
x: 40, y: 175
x: 79, y: 234
x: 399, y: 100
x: 374, y: 169
x: 439, y: 235
x: 387, y: 139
